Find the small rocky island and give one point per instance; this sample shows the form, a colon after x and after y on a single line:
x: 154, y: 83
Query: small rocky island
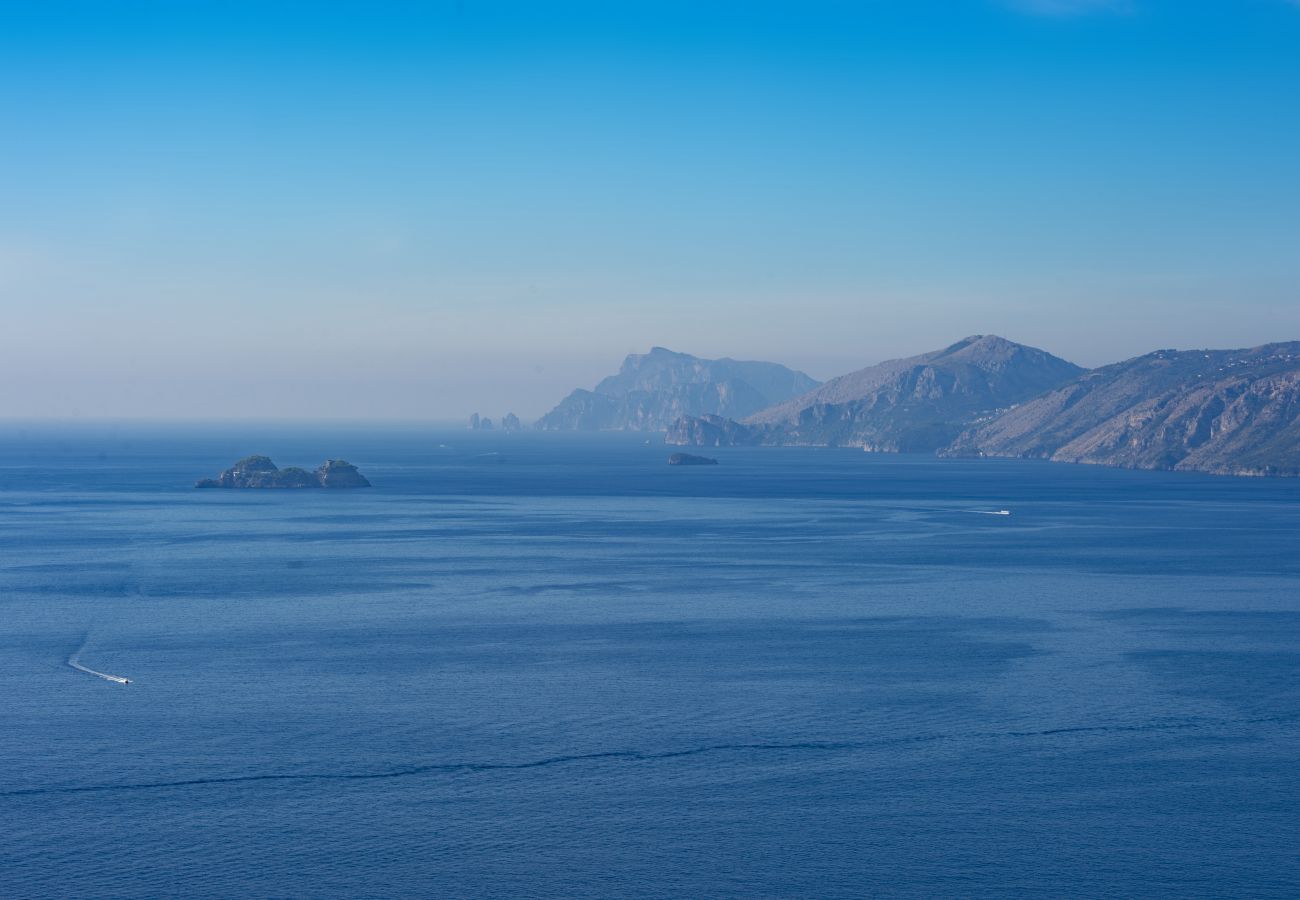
x: 688, y: 459
x: 260, y: 472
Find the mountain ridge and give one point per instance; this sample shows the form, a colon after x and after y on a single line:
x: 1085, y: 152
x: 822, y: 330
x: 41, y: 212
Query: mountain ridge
x: 652, y: 389
x: 1231, y: 412
x: 917, y: 403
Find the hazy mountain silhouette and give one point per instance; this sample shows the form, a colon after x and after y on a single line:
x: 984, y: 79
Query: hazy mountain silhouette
x: 653, y: 389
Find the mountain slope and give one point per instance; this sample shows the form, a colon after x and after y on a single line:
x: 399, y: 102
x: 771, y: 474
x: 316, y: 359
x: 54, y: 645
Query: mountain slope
x: 916, y: 404
x: 651, y: 390
x: 1220, y: 411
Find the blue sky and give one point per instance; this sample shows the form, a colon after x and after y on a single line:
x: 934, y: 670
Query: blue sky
x: 417, y: 210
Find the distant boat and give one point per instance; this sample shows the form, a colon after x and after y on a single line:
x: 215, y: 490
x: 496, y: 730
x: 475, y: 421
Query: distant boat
x: 74, y: 661
x: 119, y: 679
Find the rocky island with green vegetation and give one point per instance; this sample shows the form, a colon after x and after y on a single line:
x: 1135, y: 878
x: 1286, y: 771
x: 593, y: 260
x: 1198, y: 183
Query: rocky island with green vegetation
x: 260, y: 472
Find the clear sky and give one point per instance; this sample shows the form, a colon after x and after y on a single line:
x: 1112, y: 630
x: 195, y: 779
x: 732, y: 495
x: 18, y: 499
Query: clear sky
x: 418, y: 210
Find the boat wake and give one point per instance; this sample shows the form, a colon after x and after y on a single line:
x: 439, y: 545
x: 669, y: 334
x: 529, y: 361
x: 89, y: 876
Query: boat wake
x: 73, y: 661
x: 956, y: 509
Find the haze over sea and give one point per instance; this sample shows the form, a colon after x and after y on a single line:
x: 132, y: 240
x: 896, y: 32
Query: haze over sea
x: 552, y: 665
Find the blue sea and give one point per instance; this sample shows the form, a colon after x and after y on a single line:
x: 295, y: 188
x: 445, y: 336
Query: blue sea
x: 553, y: 666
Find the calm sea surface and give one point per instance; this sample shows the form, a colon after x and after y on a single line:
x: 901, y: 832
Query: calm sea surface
x: 551, y: 666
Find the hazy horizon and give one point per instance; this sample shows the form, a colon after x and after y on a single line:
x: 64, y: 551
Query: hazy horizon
x: 250, y: 414
x: 417, y: 212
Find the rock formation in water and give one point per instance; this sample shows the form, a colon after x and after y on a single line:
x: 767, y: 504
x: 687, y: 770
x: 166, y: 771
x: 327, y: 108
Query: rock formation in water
x: 510, y: 422
x: 687, y: 459
x: 1234, y: 412
x: 260, y: 472
x: 652, y: 390
x: 918, y: 404
x: 339, y: 473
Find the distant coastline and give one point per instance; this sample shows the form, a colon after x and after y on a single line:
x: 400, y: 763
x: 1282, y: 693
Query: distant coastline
x: 1222, y: 412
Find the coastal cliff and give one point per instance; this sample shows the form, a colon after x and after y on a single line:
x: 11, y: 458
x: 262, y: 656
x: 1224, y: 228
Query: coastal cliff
x: 1228, y: 412
x: 712, y: 431
x: 917, y: 404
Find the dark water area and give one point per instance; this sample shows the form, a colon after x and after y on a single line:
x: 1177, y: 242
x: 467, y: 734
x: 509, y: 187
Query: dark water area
x: 542, y: 665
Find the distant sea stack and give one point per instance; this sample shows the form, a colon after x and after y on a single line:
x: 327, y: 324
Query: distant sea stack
x: 260, y: 472
x: 687, y: 459
x: 509, y: 422
x: 652, y: 390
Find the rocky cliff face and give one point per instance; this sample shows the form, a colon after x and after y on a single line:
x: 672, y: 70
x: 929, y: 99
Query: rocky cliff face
x: 1220, y: 411
x: 339, y: 473
x: 260, y: 472
x: 712, y: 431
x: 918, y: 404
x: 652, y: 390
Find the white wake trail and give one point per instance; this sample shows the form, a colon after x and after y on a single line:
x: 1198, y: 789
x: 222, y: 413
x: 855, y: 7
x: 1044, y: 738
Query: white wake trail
x: 72, y: 661
x: 956, y: 509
